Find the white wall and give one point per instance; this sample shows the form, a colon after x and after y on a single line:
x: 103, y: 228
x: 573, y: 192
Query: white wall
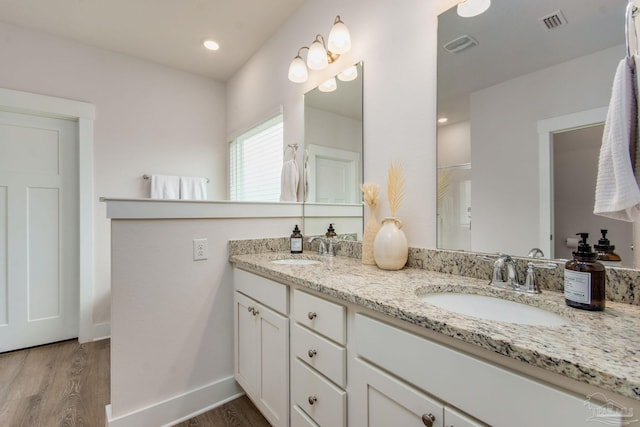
x: 454, y: 144
x: 397, y: 43
x: 332, y: 130
x: 504, y: 148
x: 149, y: 119
x: 172, y: 316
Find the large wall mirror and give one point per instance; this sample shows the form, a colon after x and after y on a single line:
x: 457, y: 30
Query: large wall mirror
x: 333, y: 150
x: 525, y: 88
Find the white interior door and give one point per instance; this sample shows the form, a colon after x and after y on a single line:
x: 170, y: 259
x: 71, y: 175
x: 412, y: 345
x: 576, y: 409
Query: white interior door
x: 38, y: 230
x: 333, y: 176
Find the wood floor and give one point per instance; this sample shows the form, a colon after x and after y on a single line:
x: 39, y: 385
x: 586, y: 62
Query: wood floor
x: 67, y: 385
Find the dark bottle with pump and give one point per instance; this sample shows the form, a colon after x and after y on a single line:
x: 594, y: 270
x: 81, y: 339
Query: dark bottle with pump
x: 296, y: 241
x: 584, y: 278
x: 605, y: 249
x: 331, y: 232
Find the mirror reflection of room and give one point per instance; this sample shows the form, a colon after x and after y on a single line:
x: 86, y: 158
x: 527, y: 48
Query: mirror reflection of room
x: 333, y: 143
x: 503, y: 78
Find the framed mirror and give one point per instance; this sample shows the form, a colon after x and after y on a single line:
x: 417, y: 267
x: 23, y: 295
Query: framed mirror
x: 524, y: 89
x: 333, y: 150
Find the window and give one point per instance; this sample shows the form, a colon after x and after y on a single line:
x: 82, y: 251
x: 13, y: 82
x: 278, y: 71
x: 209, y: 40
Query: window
x: 255, y: 166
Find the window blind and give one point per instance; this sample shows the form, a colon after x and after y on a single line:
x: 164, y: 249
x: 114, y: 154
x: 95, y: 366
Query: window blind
x: 255, y: 164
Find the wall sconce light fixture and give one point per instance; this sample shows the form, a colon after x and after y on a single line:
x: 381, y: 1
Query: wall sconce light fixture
x: 471, y: 8
x: 321, y: 54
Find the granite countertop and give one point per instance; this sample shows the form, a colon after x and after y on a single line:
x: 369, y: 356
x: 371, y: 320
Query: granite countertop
x: 599, y: 348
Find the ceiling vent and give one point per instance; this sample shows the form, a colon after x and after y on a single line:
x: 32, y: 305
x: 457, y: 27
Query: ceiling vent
x: 460, y: 44
x: 553, y: 21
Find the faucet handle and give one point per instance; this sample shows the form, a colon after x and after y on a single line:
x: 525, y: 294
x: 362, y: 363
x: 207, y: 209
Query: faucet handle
x: 531, y: 285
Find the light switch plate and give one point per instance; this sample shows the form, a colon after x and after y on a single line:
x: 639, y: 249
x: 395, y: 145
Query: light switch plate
x: 200, y: 249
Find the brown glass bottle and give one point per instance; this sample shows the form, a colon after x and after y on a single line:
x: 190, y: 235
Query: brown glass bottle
x: 584, y: 279
x: 605, y: 250
x: 296, y: 241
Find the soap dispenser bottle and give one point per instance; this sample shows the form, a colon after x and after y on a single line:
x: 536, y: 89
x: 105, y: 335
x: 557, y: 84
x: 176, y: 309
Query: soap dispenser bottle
x: 584, y: 278
x: 331, y: 232
x: 296, y: 241
x: 605, y: 249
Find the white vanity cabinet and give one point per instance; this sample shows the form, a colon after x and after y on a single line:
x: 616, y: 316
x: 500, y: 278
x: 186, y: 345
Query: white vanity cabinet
x: 318, y: 366
x: 378, y: 399
x: 415, y: 376
x: 261, y: 340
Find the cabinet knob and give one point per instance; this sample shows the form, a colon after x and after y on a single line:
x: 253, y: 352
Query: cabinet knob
x: 250, y: 309
x: 312, y: 400
x: 428, y: 419
x: 312, y: 315
x: 312, y: 353
x: 255, y: 312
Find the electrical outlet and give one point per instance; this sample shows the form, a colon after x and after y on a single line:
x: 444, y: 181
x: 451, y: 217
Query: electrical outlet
x: 200, y: 249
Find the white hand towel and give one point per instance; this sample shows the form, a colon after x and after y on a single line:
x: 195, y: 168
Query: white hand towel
x: 193, y: 188
x: 165, y: 187
x: 289, y: 181
x: 617, y: 192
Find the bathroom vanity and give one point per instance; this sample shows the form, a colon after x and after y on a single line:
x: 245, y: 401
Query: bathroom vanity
x: 345, y: 344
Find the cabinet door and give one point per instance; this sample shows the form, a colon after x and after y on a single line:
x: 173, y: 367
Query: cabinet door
x: 381, y: 400
x: 246, y: 344
x: 453, y: 418
x: 273, y: 342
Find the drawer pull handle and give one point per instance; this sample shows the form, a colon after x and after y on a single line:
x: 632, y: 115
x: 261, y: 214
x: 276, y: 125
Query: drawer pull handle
x: 312, y: 315
x: 312, y: 353
x: 312, y: 400
x: 255, y: 312
x: 428, y: 419
x: 250, y: 309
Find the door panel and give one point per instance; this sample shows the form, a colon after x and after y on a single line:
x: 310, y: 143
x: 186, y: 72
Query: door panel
x: 38, y: 230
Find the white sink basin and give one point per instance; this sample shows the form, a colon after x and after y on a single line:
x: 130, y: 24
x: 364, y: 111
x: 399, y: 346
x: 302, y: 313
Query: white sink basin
x: 295, y: 261
x: 497, y: 309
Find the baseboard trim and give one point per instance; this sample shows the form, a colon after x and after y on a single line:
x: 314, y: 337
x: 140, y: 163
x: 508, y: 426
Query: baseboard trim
x: 101, y: 331
x: 179, y: 408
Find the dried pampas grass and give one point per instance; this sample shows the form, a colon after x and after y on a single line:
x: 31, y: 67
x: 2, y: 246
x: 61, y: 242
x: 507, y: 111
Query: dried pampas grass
x: 395, y: 187
x: 370, y: 192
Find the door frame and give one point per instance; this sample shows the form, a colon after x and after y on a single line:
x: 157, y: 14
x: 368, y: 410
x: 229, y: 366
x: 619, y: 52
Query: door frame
x: 546, y: 129
x: 84, y: 114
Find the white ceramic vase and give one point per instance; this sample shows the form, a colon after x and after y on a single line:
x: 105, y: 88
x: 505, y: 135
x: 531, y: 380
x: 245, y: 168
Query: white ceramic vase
x: 390, y: 248
x: 370, y: 232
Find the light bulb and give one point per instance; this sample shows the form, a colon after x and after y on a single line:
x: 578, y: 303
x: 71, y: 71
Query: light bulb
x: 471, y: 8
x: 298, y: 70
x: 317, y: 56
x: 349, y: 74
x: 339, y: 38
x: 210, y: 44
x: 328, y: 86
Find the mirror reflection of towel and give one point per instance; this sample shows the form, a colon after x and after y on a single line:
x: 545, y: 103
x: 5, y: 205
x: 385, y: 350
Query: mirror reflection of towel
x: 165, y: 187
x: 289, y: 181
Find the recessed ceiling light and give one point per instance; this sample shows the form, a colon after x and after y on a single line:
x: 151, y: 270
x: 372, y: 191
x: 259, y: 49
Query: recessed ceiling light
x: 443, y: 120
x: 210, y: 44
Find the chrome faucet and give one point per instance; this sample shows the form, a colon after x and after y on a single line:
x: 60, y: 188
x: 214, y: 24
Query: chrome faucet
x: 322, y: 249
x: 505, y: 274
x: 327, y: 245
x: 535, y: 253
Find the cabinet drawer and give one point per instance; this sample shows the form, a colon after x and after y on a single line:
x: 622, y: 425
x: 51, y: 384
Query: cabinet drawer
x: 483, y: 390
x: 300, y: 419
x: 322, y: 316
x: 327, y: 357
x: 272, y: 294
x: 318, y: 397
